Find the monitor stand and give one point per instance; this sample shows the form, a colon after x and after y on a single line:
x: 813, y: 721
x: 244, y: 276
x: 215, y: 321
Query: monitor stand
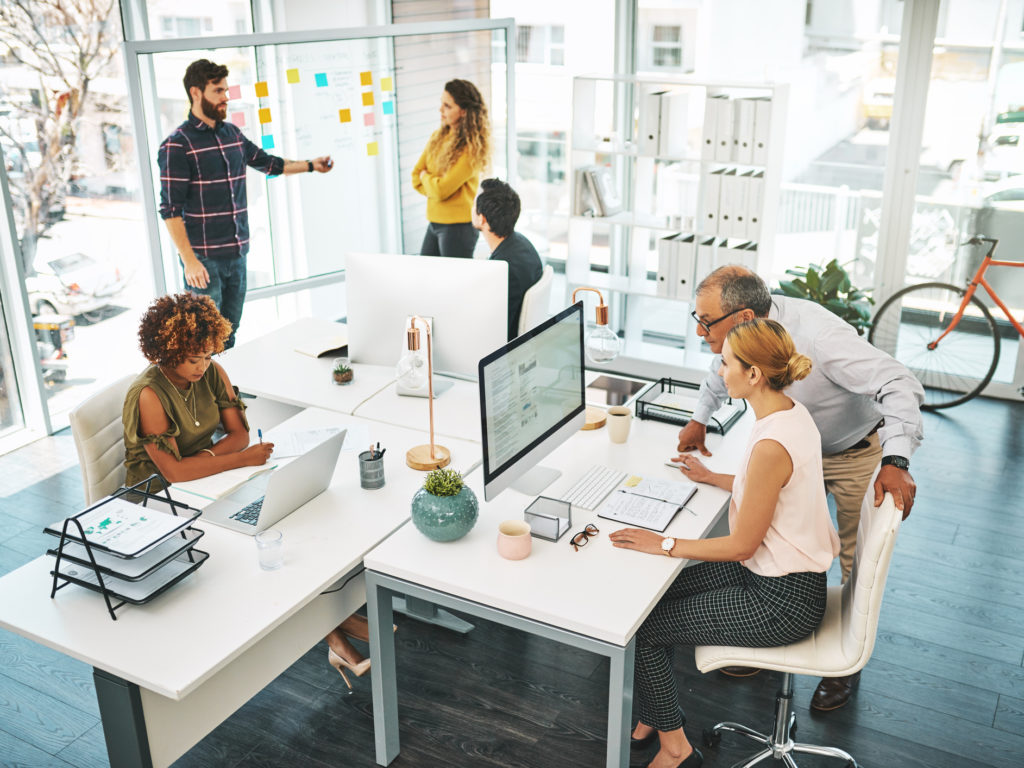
x: 425, y: 611
x: 535, y: 480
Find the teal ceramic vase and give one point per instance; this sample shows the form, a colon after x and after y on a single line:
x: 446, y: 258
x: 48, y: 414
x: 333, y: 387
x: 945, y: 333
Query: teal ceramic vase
x: 445, y: 518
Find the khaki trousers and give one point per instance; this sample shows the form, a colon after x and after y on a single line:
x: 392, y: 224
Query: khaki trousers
x: 847, y: 476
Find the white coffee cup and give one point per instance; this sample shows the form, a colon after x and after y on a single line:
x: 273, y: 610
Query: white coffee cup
x: 619, y: 419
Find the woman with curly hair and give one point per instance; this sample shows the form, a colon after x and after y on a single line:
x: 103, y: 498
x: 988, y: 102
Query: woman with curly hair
x: 448, y: 171
x: 173, y: 408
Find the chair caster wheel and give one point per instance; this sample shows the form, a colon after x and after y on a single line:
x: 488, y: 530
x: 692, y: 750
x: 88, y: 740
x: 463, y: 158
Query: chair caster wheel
x: 711, y: 738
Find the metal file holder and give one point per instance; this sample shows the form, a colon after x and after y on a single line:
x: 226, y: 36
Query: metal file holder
x: 647, y: 408
x: 178, y: 546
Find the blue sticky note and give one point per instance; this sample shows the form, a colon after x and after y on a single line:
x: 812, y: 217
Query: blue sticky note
x: 388, y: 107
x: 268, y: 142
x: 321, y: 80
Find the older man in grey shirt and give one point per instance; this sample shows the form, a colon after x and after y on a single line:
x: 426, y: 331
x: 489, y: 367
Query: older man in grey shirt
x: 865, y: 404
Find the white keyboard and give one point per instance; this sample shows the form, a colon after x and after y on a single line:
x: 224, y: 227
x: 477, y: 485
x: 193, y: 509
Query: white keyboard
x: 590, y: 490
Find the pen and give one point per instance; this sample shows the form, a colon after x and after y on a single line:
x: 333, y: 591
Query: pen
x: 259, y: 433
x: 381, y: 454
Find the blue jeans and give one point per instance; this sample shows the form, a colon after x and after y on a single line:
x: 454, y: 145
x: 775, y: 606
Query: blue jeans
x: 227, y: 289
x: 449, y: 240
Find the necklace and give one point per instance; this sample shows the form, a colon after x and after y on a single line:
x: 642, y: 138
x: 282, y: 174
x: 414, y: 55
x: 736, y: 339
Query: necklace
x: 193, y: 411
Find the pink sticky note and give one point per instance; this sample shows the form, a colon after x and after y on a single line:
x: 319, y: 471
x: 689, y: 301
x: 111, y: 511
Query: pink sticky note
x: 234, y: 92
x: 238, y: 118
x: 368, y: 118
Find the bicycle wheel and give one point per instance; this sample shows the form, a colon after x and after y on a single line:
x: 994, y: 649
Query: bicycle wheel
x: 959, y: 366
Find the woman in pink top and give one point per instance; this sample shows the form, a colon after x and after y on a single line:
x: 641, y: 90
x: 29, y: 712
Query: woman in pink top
x: 763, y: 584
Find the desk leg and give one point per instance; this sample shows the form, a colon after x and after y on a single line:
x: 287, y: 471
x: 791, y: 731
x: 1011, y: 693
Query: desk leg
x: 384, y: 680
x: 124, y: 723
x: 620, y: 705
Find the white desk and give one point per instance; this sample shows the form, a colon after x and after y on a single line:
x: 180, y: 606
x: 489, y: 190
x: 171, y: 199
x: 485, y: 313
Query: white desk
x: 168, y: 672
x: 593, y: 599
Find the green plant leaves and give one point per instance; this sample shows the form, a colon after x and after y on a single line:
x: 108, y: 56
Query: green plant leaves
x: 831, y: 288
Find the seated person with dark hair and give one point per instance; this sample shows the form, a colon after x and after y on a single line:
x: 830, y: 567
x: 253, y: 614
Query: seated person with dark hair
x: 495, y: 214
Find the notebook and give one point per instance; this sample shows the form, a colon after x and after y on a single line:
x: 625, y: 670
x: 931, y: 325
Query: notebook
x: 647, y: 503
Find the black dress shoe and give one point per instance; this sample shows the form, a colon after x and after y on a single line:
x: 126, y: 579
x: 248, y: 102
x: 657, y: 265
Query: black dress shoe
x: 834, y: 692
x: 637, y: 744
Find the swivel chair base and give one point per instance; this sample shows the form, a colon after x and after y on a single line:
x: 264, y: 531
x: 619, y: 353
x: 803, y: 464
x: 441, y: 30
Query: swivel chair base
x: 779, y: 745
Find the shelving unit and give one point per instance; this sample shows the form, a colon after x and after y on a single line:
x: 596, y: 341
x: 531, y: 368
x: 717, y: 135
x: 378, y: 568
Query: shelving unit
x: 662, y: 167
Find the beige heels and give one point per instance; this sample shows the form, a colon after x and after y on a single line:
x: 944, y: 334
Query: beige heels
x: 340, y: 664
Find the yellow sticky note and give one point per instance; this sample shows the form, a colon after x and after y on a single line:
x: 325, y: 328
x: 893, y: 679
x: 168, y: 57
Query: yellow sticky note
x: 371, y: 148
x: 385, y: 84
x: 265, y: 115
x: 292, y: 75
x: 368, y: 99
x: 261, y: 90
x: 366, y: 78
x: 633, y: 481
x: 345, y: 115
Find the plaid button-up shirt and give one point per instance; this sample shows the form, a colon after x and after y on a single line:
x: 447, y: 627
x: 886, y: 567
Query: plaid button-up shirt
x: 202, y: 180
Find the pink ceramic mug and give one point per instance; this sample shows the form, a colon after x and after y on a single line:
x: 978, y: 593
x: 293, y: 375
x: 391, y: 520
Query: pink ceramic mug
x: 514, y: 540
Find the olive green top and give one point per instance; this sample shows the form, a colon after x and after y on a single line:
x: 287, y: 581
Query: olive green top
x: 202, y: 402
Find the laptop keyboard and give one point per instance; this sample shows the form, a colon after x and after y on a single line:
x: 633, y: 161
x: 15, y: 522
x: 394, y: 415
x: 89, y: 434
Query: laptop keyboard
x: 250, y: 513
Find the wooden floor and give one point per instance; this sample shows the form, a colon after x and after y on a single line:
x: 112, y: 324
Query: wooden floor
x: 945, y: 686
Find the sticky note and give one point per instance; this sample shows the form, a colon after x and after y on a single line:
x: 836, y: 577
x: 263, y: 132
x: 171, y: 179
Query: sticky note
x: 368, y: 118
x: 366, y: 78
x: 385, y: 84
x: 345, y: 115
x: 234, y: 92
x: 261, y: 90
x: 238, y: 118
x: 371, y: 148
x: 265, y: 115
x: 388, y: 107
x: 268, y: 141
x: 321, y: 80
x: 292, y: 75
x: 368, y: 99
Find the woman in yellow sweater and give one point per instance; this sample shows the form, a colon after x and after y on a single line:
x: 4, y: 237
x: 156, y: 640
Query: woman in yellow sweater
x: 448, y: 171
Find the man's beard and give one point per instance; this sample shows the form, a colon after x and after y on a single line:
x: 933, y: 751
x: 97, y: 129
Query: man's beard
x: 212, y: 111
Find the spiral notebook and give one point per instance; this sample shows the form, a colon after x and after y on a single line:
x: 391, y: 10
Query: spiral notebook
x: 647, y: 503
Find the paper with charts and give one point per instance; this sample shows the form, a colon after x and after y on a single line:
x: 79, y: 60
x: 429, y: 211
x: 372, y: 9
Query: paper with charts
x: 126, y: 528
x: 647, y: 502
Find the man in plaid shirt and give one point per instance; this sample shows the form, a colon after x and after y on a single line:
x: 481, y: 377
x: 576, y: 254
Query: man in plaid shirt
x: 202, y: 190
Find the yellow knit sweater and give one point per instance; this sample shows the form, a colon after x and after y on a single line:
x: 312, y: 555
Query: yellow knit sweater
x: 450, y: 194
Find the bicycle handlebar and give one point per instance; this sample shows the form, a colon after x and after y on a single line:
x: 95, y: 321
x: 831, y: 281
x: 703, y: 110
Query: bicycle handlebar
x: 979, y: 239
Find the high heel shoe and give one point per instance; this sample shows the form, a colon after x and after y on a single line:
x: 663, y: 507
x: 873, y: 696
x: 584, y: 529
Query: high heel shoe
x: 641, y: 743
x: 342, y: 664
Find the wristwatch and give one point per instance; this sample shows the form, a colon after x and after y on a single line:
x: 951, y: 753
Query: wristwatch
x: 896, y: 461
x: 667, y: 545
x: 309, y: 165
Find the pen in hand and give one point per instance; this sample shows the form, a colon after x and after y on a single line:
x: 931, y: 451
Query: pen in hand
x: 259, y: 433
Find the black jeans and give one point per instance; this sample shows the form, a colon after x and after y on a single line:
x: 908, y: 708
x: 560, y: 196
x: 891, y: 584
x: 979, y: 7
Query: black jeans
x: 456, y: 240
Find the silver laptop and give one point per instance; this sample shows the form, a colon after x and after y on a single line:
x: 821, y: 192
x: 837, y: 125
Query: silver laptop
x: 272, y: 496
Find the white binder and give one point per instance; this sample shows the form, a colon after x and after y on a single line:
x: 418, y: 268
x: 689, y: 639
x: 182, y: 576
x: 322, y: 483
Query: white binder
x: 745, y: 109
x: 666, y: 267
x: 732, y: 251
x: 649, y: 129
x: 685, y: 247
x: 762, y: 130
x: 672, y: 131
x: 704, y: 263
x: 755, y: 202
x: 725, y: 128
x: 728, y: 205
x: 712, y: 199
x: 707, y: 142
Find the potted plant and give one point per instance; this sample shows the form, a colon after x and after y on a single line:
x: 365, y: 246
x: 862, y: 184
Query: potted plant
x: 444, y: 509
x: 342, y: 372
x: 832, y: 289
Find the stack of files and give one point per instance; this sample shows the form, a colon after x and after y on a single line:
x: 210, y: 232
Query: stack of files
x: 676, y: 260
x: 736, y: 130
x: 662, y: 126
x: 736, y: 251
x: 602, y: 190
x: 732, y: 203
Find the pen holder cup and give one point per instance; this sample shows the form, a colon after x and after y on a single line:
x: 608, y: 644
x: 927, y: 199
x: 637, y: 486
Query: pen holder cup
x: 371, y: 471
x: 549, y: 518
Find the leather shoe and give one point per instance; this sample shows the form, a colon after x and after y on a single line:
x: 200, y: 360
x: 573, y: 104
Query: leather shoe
x: 637, y: 744
x: 739, y: 671
x: 834, y: 692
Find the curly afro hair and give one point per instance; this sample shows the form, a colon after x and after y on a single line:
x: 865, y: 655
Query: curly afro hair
x: 175, y: 327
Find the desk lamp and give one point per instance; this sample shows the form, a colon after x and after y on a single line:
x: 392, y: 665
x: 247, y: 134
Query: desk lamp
x: 601, y: 344
x: 410, y: 373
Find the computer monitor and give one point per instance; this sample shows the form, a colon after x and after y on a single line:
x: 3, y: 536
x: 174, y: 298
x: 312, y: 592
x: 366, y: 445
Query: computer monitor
x: 467, y: 299
x: 531, y: 401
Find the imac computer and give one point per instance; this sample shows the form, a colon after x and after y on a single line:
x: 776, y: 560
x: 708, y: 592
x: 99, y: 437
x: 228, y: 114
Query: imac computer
x: 466, y: 301
x: 531, y: 401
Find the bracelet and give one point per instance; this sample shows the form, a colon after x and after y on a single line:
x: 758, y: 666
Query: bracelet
x: 309, y: 165
x: 208, y: 451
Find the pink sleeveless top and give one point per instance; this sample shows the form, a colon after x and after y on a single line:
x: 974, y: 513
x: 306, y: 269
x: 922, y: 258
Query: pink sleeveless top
x: 801, y: 536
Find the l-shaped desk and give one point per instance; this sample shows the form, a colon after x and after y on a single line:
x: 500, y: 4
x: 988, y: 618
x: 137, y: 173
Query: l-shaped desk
x: 229, y: 629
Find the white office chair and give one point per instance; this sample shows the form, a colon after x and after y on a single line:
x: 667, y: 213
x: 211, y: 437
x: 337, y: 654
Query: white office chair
x: 99, y: 439
x: 536, y: 301
x: 840, y: 646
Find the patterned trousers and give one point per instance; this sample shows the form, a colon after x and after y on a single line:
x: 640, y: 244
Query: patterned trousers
x: 719, y: 604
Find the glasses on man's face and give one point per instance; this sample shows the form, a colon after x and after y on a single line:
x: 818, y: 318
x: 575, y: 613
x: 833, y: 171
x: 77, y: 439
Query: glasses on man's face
x: 706, y: 325
x: 580, y: 539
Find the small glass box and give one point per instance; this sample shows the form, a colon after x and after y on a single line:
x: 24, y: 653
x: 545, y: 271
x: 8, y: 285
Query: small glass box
x: 549, y: 518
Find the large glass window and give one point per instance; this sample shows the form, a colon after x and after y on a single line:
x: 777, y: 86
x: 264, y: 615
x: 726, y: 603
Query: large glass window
x: 10, y: 403
x: 194, y: 18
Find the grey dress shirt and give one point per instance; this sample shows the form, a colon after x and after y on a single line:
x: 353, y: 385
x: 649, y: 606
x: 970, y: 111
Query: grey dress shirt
x: 852, y: 385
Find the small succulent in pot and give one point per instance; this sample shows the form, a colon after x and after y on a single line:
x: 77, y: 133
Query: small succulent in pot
x: 342, y: 372
x: 445, y: 508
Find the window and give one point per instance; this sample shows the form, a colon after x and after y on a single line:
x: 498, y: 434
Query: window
x: 666, y: 46
x: 185, y: 26
x: 540, y: 45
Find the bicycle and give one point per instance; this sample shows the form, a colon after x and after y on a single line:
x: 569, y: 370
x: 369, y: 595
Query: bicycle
x: 944, y: 334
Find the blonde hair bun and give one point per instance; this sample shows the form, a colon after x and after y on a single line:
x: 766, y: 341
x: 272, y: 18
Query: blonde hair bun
x: 799, y: 367
x: 767, y: 345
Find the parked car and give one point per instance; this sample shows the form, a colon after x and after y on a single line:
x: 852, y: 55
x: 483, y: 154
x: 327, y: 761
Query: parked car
x: 76, y: 284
